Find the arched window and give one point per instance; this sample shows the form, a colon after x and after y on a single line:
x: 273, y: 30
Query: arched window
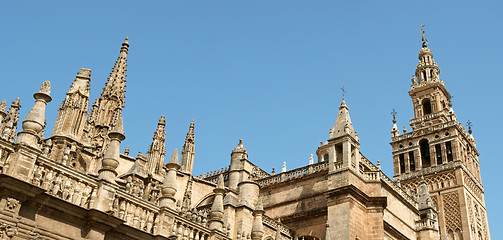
x: 424, y: 147
x: 325, y: 158
x: 426, y: 106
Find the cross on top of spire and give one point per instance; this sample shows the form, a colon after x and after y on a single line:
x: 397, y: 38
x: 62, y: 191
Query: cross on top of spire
x: 343, y: 91
x: 469, y: 125
x: 394, y: 115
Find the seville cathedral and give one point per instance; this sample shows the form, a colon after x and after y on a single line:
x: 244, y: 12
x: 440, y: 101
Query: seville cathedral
x: 74, y: 183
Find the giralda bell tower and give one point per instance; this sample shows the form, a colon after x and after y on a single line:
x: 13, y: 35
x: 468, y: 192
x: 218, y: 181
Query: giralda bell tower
x: 440, y: 150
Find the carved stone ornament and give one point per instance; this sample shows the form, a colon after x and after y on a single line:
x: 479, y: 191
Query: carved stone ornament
x: 7, y: 231
x: 11, y: 204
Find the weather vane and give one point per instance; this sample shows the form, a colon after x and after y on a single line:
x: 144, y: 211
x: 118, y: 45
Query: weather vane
x: 394, y: 115
x: 469, y: 125
x: 425, y: 41
x: 343, y: 91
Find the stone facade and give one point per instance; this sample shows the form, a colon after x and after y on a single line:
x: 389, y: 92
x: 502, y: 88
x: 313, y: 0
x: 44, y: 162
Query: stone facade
x: 76, y: 184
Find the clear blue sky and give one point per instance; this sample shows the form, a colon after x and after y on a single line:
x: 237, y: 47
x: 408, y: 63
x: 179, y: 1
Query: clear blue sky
x: 267, y: 71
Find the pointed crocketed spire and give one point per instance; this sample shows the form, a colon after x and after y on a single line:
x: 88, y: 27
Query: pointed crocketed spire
x: 73, y: 110
x: 34, y: 123
x: 157, y: 150
x: 217, y: 208
x: 423, y: 196
x: 9, y: 122
x: 111, y: 156
x: 108, y: 107
x: 258, y: 226
x: 188, y: 150
x: 174, y: 157
x: 343, y: 125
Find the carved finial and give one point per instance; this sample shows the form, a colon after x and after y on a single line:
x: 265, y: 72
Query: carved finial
x: 45, y: 88
x: 394, y: 115
x: 469, y: 125
x: 311, y: 160
x: 240, y: 144
x: 424, y: 40
x: 162, y: 120
x: 126, y: 151
x: 378, y: 164
x: 404, y: 129
x: 283, y: 168
x: 3, y: 106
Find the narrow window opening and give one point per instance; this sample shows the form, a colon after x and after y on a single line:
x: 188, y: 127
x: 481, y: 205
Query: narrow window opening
x: 448, y: 150
x: 411, y: 159
x: 402, y: 163
x: 426, y: 106
x: 325, y: 158
x: 438, y: 152
x: 425, y: 153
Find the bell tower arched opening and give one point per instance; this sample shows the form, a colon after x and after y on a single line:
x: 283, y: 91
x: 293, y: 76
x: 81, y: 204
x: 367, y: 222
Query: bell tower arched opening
x: 424, y: 147
x: 426, y: 106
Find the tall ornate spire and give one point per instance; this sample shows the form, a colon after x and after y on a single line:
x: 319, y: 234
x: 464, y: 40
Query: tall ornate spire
x: 189, y: 150
x: 108, y: 107
x: 73, y: 110
x: 34, y: 123
x: 343, y: 125
x: 157, y: 150
x: 9, y: 122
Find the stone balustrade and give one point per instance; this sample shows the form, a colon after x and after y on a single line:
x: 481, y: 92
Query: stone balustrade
x: 293, y: 174
x: 285, y: 230
x: 64, y: 182
x: 135, y: 212
x: 429, y: 116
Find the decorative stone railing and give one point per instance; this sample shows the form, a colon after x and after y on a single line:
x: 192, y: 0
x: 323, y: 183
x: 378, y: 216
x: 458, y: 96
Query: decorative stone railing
x: 212, y: 173
x: 426, y: 171
x: 64, y: 182
x: 293, y: 174
x: 190, y: 228
x: 214, y: 178
x: 429, y: 116
x: 373, y: 168
x: 136, y: 212
x: 372, y: 176
x: 285, y: 230
x: 426, y: 130
x: 398, y: 190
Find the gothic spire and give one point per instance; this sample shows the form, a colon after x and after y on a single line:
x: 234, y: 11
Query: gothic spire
x: 157, y: 150
x: 188, y: 150
x: 73, y: 110
x: 108, y: 107
x: 343, y: 125
x: 9, y: 122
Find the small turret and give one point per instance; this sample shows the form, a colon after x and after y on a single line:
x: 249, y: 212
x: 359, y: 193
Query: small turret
x: 111, y: 156
x: 34, y: 123
x: 189, y: 150
x: 217, y: 208
x: 169, y: 185
x: 343, y: 137
x: 238, y: 154
x: 258, y: 226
